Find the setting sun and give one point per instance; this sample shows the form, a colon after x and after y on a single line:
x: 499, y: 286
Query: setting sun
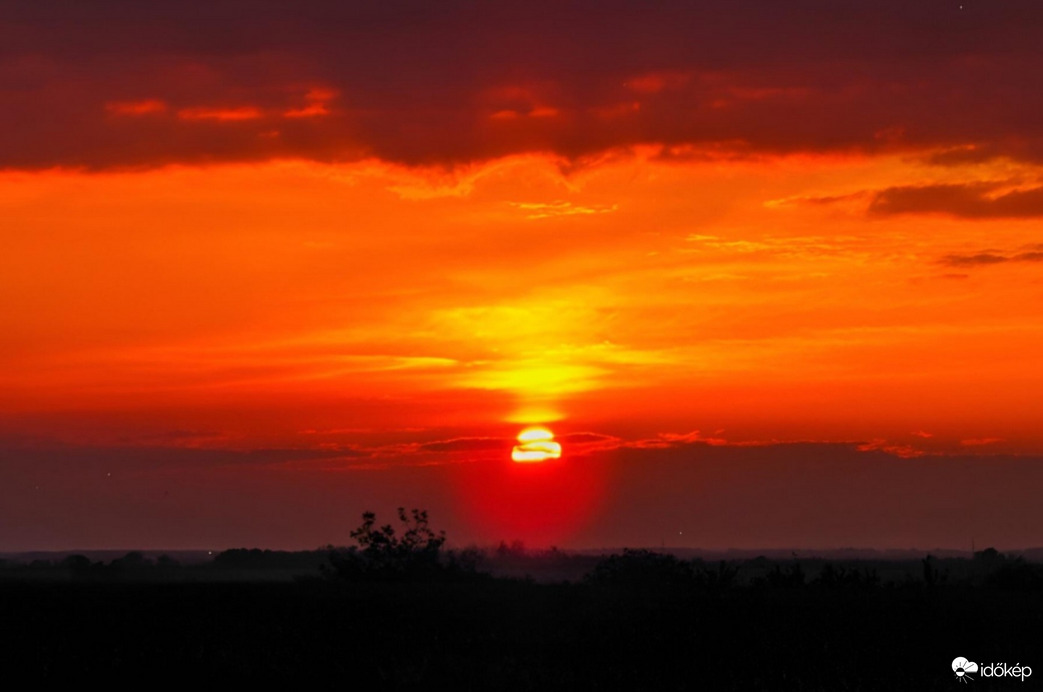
x: 534, y: 445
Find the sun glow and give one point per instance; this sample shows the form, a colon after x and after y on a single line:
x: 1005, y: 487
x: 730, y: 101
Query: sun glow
x: 535, y: 445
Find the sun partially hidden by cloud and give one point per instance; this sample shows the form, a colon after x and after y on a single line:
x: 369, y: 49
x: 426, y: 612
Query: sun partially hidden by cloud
x: 535, y: 445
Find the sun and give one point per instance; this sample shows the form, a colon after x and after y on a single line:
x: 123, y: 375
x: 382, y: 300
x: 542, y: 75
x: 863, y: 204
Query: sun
x: 534, y: 445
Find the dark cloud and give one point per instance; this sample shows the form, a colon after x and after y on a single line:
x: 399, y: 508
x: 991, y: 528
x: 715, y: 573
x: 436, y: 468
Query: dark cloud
x: 958, y: 156
x: 138, y: 458
x: 467, y: 444
x: 588, y: 438
x: 830, y: 199
x: 574, y: 442
x: 984, y: 259
x: 421, y: 82
x: 973, y: 201
x: 980, y: 259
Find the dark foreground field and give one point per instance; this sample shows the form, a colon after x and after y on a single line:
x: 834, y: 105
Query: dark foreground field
x: 516, y: 635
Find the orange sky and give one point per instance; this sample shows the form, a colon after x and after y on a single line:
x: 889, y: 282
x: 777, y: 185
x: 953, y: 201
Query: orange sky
x: 762, y: 296
x: 249, y: 246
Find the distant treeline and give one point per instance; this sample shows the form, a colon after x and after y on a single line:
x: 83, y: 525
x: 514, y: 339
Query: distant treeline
x: 988, y: 568
x: 135, y: 565
x: 414, y: 552
x: 630, y: 569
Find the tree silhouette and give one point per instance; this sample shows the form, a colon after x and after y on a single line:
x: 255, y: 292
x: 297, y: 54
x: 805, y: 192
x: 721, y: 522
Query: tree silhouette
x: 386, y: 554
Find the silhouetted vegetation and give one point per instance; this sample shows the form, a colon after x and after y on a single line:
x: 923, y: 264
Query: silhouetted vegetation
x: 642, y: 568
x: 932, y: 577
x: 242, y: 559
x: 1009, y: 573
x: 835, y: 577
x: 719, y: 576
x: 777, y: 577
x: 413, y: 553
x: 638, y: 619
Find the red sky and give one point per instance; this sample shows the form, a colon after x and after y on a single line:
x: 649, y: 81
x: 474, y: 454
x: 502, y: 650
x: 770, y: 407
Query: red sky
x: 772, y: 273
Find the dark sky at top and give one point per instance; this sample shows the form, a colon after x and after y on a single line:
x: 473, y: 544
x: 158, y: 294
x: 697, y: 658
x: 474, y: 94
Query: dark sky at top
x: 421, y: 82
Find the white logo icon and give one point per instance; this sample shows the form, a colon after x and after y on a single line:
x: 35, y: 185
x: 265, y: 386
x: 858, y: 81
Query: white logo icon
x: 963, y: 668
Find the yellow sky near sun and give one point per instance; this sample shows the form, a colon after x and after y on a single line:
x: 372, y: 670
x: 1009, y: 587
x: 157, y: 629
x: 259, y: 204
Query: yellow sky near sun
x: 723, y: 291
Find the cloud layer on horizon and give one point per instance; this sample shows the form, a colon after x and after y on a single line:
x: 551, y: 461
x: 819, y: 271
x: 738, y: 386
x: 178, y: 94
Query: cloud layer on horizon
x: 806, y: 495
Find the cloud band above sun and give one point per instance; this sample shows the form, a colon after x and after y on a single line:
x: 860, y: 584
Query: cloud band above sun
x: 334, y: 81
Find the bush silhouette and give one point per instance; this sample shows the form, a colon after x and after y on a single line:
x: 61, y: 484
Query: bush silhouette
x: 412, y: 553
